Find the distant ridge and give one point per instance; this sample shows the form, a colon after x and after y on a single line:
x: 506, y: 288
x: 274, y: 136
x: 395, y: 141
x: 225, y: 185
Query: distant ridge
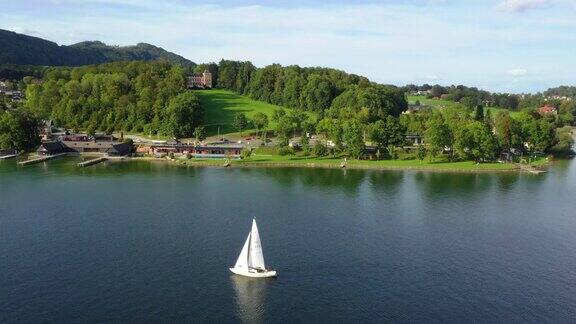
x: 28, y: 50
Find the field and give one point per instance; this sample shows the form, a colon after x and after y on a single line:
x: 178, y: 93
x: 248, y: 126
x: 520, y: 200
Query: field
x: 434, y: 103
x: 220, y: 106
x: 440, y: 103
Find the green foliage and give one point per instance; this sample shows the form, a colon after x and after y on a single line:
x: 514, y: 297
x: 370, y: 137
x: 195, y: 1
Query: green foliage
x: 565, y: 142
x: 132, y: 96
x: 23, y: 49
x: 18, y: 130
x: 285, y: 150
x: 354, y: 138
x: 200, y: 133
x: 438, y: 135
x: 260, y: 121
x: 479, y: 113
x: 246, y: 153
x: 240, y: 122
x: 184, y: 114
x: 311, y: 89
x: 421, y: 152
x: 320, y: 149
x: 388, y: 132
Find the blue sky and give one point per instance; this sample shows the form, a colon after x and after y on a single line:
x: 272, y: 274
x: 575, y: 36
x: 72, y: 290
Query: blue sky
x: 498, y: 45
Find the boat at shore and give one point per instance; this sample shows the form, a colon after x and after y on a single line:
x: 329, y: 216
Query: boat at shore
x: 250, y: 262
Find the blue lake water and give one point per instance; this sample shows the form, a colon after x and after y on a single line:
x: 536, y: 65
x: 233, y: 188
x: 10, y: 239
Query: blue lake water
x: 143, y: 241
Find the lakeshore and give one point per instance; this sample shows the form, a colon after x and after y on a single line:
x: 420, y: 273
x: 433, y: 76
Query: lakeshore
x: 274, y: 161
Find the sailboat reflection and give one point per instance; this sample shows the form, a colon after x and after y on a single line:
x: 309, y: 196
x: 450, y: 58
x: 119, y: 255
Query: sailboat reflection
x: 250, y: 298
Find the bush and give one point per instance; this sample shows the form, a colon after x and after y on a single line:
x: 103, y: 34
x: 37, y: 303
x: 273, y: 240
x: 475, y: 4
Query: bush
x: 285, y: 151
x: 320, y: 149
x: 246, y: 153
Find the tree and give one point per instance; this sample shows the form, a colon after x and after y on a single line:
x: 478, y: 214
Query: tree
x: 18, y: 130
x: 320, y: 149
x: 184, y: 114
x: 260, y: 121
x: 200, y: 133
x: 437, y: 135
x: 479, y: 113
x: 240, y: 122
x: 421, y: 152
x: 353, y: 135
x: 386, y: 133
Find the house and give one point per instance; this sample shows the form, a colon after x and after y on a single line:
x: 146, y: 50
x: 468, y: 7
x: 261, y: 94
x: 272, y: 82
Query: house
x: 414, y: 139
x: 46, y: 130
x: 111, y: 148
x: 52, y: 148
x: 121, y: 149
x: 547, y: 110
x: 197, y: 151
x: 203, y: 81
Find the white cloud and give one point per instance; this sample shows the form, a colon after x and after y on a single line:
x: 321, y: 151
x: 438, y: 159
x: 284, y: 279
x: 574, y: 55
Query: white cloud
x: 389, y: 43
x: 518, y: 72
x: 522, y: 5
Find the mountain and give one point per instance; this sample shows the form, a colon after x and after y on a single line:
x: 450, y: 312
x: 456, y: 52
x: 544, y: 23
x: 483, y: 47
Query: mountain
x: 23, y: 49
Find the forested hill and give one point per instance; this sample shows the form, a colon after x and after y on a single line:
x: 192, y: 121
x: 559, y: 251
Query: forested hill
x: 27, y: 50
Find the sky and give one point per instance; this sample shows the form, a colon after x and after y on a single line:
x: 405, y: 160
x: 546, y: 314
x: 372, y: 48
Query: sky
x: 497, y: 45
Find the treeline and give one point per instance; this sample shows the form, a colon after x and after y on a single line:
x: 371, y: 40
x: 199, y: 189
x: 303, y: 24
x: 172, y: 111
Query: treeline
x: 327, y: 92
x: 147, y: 97
x: 459, y: 135
x: 18, y: 130
x: 562, y: 91
x: 472, y: 97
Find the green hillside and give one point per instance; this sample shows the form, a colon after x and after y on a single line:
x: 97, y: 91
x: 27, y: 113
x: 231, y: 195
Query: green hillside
x: 27, y: 50
x: 220, y: 106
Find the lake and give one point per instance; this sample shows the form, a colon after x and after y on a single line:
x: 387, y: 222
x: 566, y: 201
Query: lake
x: 140, y: 241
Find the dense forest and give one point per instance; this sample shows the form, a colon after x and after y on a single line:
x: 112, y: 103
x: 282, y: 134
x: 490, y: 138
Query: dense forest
x: 352, y: 111
x: 27, y: 50
x: 137, y: 96
x: 348, y: 110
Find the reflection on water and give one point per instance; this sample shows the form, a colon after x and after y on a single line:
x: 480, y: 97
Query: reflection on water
x: 250, y: 297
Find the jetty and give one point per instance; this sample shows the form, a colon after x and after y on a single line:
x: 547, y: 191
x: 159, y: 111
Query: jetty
x: 531, y: 169
x: 5, y: 157
x: 92, y: 162
x: 40, y: 159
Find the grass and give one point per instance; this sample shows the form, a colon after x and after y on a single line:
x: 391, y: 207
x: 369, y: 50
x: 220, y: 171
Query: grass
x: 440, y: 103
x: 434, y: 103
x: 271, y: 160
x: 221, y: 105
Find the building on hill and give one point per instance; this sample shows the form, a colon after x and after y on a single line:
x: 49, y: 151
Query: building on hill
x: 203, y: 81
x: 547, y: 110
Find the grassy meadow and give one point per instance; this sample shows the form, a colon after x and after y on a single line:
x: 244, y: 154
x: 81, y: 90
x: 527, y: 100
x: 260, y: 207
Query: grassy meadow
x: 220, y: 106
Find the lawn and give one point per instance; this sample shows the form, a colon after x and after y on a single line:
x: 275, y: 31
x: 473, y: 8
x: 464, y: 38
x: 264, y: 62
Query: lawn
x: 220, y: 106
x: 271, y: 160
x: 439, y: 103
x: 434, y: 103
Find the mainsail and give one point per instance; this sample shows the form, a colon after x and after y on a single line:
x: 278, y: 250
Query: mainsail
x: 255, y: 255
x: 242, y: 261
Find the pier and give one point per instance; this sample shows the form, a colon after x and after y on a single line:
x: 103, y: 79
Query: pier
x: 92, y: 162
x: 40, y: 159
x: 5, y: 157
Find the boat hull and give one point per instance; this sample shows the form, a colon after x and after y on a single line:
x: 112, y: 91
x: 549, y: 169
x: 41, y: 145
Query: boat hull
x: 255, y: 274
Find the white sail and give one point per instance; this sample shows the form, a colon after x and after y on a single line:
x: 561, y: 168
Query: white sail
x: 255, y: 255
x: 242, y: 261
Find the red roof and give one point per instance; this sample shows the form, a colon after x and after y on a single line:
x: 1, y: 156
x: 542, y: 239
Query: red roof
x: 547, y: 109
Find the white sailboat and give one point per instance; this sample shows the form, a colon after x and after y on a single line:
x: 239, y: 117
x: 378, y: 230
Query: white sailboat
x: 250, y: 263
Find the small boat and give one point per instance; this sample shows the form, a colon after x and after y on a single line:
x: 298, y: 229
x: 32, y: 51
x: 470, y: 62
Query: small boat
x: 250, y: 262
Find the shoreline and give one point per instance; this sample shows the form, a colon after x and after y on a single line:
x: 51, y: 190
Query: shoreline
x: 331, y: 163
x: 352, y: 165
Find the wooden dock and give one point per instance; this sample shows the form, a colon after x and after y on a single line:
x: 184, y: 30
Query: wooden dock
x: 5, y: 157
x: 92, y: 162
x: 531, y: 169
x: 40, y: 159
